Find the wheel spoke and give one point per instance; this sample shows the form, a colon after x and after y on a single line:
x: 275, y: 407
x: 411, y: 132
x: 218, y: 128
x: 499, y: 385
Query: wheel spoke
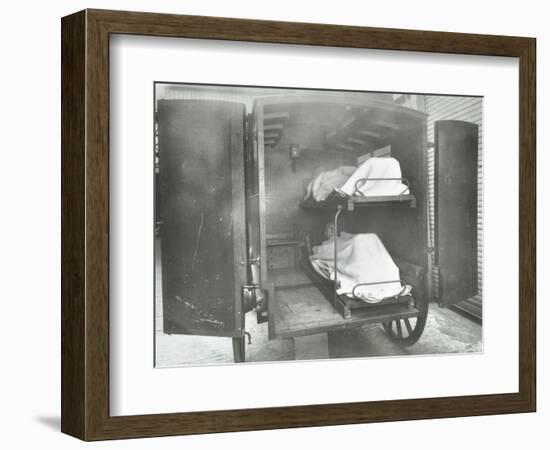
x: 408, y: 325
x: 414, y: 327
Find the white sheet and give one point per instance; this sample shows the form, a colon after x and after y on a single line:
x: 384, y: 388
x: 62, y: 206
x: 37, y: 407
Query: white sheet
x: 323, y: 184
x: 362, y: 258
x: 376, y: 168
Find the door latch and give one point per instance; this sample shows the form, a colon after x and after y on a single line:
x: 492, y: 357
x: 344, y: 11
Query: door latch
x: 251, y: 261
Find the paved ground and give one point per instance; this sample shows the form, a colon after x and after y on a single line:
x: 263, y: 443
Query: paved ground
x: 446, y: 332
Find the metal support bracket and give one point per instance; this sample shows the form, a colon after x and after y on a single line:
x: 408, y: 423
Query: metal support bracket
x: 336, y: 285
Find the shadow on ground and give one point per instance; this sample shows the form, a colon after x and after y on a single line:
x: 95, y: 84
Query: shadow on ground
x: 52, y: 422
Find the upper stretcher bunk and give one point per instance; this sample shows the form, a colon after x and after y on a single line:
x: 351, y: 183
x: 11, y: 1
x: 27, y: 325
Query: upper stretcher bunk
x: 375, y: 181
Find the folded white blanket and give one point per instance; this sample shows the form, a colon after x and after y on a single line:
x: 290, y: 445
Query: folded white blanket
x: 376, y: 168
x: 362, y: 258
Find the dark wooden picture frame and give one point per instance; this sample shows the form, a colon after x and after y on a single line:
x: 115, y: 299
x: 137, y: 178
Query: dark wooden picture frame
x: 85, y: 224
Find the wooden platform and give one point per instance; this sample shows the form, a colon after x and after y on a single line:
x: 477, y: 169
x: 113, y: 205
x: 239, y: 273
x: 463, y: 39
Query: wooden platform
x: 290, y: 277
x: 305, y: 310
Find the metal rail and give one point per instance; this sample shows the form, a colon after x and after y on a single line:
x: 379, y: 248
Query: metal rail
x: 338, y: 212
x: 364, y: 180
x: 378, y: 300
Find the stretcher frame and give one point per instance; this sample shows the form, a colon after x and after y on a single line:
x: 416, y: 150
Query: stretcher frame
x: 337, y: 198
x: 343, y: 303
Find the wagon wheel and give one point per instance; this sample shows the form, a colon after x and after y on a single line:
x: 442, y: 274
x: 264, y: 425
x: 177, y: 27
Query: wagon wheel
x: 407, y: 331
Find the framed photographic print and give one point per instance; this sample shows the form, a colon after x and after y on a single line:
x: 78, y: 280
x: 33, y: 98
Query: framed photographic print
x: 270, y: 224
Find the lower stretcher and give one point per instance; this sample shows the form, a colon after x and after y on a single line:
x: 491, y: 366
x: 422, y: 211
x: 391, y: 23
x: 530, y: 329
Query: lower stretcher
x: 365, y: 269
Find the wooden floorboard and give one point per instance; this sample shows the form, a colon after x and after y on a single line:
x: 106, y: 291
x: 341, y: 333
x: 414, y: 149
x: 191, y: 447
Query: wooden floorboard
x: 288, y: 277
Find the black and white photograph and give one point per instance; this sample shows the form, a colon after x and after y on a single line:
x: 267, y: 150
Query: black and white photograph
x: 270, y: 225
x: 297, y: 224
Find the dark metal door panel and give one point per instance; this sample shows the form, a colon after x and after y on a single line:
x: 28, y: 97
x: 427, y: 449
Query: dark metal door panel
x: 202, y: 210
x: 456, y: 154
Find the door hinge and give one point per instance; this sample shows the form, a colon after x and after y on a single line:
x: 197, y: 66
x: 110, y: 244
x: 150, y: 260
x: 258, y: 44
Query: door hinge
x: 254, y: 298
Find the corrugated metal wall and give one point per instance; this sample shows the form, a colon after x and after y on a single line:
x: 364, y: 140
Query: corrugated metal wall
x: 469, y: 109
